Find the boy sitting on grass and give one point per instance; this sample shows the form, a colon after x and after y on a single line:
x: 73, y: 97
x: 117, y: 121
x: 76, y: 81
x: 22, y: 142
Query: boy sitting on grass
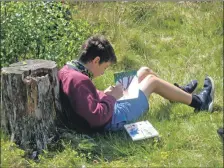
x: 87, y: 109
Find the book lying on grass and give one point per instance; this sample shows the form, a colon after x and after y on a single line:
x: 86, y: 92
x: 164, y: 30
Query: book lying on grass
x: 129, y: 81
x: 141, y: 130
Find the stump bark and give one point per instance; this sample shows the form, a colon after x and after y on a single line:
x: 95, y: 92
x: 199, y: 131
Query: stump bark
x: 30, y: 99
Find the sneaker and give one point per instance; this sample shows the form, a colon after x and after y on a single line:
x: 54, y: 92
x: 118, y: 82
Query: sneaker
x: 207, y: 95
x: 190, y: 87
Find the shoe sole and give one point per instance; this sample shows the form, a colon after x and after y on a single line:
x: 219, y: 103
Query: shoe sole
x: 210, y: 107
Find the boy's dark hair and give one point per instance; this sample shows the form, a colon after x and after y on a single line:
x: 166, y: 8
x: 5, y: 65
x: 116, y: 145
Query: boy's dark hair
x: 95, y: 46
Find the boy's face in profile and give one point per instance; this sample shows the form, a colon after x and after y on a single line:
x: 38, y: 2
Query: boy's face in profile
x: 97, y: 68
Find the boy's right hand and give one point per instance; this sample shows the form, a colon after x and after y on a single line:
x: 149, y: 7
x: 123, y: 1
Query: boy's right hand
x: 115, y: 91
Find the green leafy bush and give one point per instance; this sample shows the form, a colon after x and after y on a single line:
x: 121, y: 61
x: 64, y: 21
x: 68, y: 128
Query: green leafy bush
x: 40, y: 30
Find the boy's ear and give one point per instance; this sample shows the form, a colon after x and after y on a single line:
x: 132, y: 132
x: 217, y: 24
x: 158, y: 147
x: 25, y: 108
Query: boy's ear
x: 96, y: 60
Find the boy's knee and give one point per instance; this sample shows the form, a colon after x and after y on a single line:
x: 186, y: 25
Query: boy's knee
x: 151, y: 77
x: 142, y: 73
x: 144, y: 69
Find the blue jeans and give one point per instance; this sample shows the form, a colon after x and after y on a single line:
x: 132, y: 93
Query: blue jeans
x: 126, y: 111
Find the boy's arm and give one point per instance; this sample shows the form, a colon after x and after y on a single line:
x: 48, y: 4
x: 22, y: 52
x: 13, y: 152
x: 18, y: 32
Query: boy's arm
x: 94, y: 106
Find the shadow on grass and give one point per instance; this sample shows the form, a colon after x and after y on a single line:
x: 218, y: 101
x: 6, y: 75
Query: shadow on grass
x: 102, y: 147
x: 217, y: 108
x: 115, y: 145
x: 164, y: 112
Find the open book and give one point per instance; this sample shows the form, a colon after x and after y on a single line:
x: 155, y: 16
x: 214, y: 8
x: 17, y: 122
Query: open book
x: 141, y: 130
x: 129, y: 81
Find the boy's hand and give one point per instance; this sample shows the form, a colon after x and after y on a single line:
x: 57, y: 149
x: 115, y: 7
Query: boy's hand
x: 115, y: 91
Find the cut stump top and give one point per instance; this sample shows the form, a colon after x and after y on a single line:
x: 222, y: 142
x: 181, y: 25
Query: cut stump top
x: 29, y: 66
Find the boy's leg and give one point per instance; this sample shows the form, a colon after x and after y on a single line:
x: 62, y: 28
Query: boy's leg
x: 203, y: 101
x: 152, y: 84
x: 144, y: 71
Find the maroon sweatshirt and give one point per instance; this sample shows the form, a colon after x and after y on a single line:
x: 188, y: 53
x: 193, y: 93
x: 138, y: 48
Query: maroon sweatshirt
x: 89, y: 103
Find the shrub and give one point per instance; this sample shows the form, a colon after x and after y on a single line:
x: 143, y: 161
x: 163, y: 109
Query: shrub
x: 40, y: 30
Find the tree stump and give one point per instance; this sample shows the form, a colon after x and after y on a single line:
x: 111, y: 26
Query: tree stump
x: 30, y: 98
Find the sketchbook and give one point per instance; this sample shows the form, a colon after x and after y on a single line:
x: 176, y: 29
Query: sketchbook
x: 129, y: 81
x: 141, y: 130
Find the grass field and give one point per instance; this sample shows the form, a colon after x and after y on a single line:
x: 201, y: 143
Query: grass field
x: 179, y: 41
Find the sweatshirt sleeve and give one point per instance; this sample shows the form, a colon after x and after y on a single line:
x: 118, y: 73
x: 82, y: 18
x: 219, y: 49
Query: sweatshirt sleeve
x: 94, y: 106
